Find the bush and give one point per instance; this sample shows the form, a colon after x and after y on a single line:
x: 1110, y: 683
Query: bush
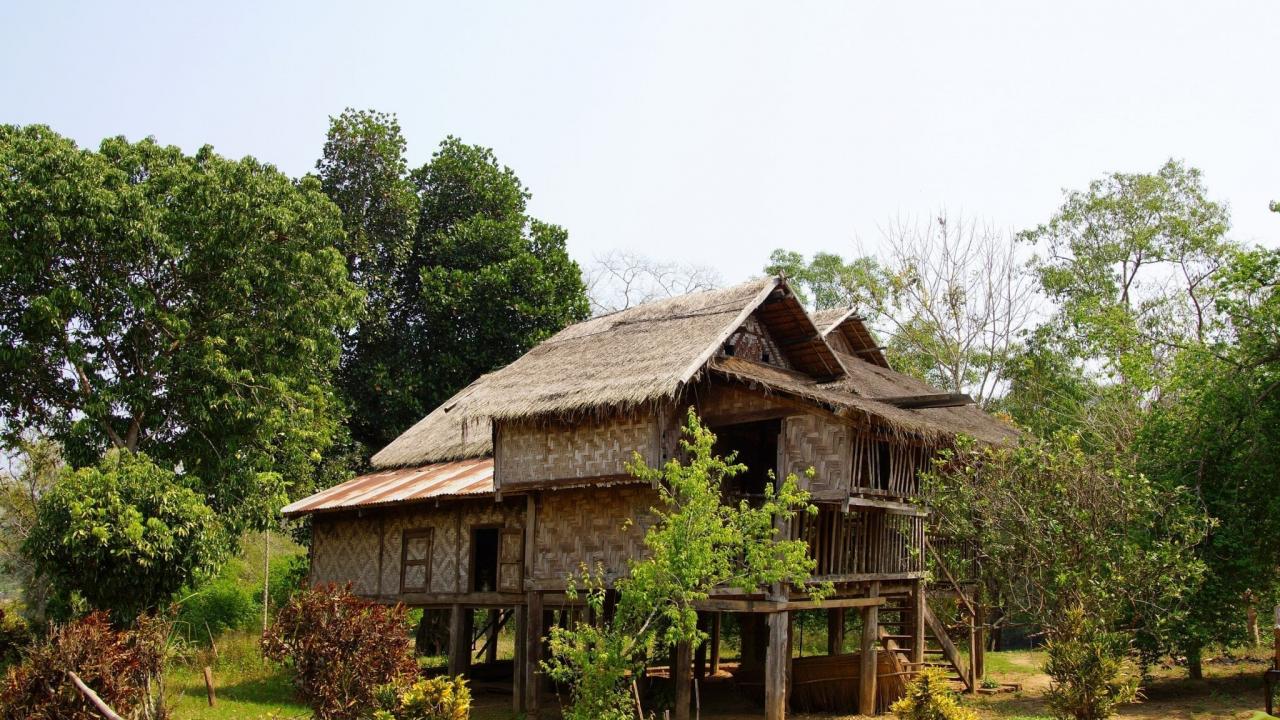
x: 438, y: 698
x: 341, y: 649
x: 287, y: 577
x: 928, y: 697
x: 1090, y: 669
x: 14, y: 635
x: 122, y: 667
x: 219, y: 605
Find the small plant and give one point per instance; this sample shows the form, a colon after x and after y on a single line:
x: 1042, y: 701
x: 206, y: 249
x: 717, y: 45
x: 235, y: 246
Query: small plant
x: 1090, y: 669
x: 341, y: 649
x: 14, y: 635
x: 438, y: 698
x: 929, y: 698
x: 122, y: 666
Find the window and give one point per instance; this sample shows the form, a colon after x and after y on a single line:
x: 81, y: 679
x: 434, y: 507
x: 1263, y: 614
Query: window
x: 415, y: 560
x: 757, y: 446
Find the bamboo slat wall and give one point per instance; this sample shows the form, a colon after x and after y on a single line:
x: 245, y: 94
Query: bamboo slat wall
x: 863, y: 541
x: 813, y: 441
x: 345, y: 549
x: 900, y: 478
x: 754, y: 342
x: 536, y: 452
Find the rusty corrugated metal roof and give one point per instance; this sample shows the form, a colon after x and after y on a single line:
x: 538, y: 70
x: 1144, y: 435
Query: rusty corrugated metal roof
x: 448, y: 479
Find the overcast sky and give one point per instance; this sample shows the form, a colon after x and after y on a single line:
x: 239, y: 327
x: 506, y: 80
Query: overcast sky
x: 706, y: 132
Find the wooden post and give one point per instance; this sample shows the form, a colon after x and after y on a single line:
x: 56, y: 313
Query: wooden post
x: 700, y: 654
x: 533, y: 654
x: 1276, y: 661
x: 459, y: 640
x: 518, y: 671
x: 682, y: 677
x: 776, y: 662
x: 835, y: 631
x: 919, y: 601
x: 980, y: 651
x: 102, y: 707
x: 208, y: 685
x: 715, y: 643
x: 973, y: 653
x: 491, y: 639
x: 868, y: 662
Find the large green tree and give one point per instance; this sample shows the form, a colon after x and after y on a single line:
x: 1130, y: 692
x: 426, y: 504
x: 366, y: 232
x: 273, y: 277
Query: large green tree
x: 465, y: 285
x: 184, y: 305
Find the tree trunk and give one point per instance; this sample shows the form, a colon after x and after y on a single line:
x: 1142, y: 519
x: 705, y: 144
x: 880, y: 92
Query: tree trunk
x: 1195, y: 669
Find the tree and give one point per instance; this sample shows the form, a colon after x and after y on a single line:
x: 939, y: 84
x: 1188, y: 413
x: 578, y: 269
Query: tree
x: 186, y: 306
x: 123, y: 536
x: 829, y: 281
x: 697, y: 543
x: 618, y: 280
x: 482, y: 283
x: 39, y: 463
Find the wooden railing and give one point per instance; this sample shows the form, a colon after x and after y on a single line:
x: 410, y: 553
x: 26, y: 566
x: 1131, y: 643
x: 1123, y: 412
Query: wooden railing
x: 862, y: 542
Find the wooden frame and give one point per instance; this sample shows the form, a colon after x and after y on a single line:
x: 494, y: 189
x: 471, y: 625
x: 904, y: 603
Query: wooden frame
x: 424, y: 562
x: 471, y: 567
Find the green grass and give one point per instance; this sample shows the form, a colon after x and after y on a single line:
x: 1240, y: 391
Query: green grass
x: 245, y: 686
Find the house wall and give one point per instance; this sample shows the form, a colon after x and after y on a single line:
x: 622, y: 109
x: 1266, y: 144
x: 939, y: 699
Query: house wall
x: 529, y: 453
x: 591, y: 525
x: 824, y: 444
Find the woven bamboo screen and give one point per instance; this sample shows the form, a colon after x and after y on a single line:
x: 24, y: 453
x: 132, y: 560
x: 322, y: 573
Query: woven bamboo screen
x: 345, y: 550
x: 587, y: 526
x: 863, y: 541
x: 534, y: 452
x: 824, y: 445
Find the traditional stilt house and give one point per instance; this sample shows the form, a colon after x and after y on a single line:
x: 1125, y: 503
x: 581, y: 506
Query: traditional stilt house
x: 490, y: 502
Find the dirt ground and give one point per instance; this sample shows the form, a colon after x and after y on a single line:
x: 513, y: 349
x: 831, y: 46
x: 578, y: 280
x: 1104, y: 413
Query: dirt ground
x: 1231, y: 689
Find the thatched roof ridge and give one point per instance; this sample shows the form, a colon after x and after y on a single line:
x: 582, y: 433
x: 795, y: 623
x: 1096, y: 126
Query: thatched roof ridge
x: 850, y: 326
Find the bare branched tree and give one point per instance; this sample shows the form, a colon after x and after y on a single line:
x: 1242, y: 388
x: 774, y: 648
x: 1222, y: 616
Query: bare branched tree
x: 957, y: 300
x: 618, y: 280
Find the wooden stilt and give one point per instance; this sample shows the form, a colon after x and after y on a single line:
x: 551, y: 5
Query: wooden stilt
x: 491, y: 638
x: 776, y: 664
x: 870, y: 643
x: 518, y: 670
x: 533, y: 655
x: 700, y: 654
x: 459, y: 640
x: 715, y: 643
x: 682, y: 677
x: 980, y: 646
x: 835, y: 631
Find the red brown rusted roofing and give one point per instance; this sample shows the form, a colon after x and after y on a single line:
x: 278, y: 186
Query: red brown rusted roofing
x: 401, y: 485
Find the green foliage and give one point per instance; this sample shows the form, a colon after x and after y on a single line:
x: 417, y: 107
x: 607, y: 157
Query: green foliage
x: 828, y: 281
x: 122, y: 666
x: 438, y: 698
x: 41, y: 463
x: 14, y: 636
x: 1089, y: 668
x: 1061, y: 528
x: 219, y: 605
x: 288, y: 576
x: 697, y: 542
x: 124, y: 535
x: 340, y: 649
x: 459, y: 278
x: 187, y: 306
x: 928, y: 697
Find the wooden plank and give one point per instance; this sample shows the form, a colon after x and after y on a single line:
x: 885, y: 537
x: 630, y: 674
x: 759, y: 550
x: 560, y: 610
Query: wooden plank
x: 868, y: 660
x: 518, y: 669
x: 782, y: 606
x: 835, y: 631
x: 533, y: 654
x: 682, y: 678
x: 776, y: 666
x: 919, y: 601
x: 715, y: 643
x: 897, y: 508
x: 936, y: 400
x: 949, y: 650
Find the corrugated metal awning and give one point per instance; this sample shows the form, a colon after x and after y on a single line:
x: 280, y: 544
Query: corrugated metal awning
x: 448, y: 479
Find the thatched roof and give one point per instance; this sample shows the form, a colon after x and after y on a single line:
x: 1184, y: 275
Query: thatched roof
x: 846, y: 323
x: 649, y: 354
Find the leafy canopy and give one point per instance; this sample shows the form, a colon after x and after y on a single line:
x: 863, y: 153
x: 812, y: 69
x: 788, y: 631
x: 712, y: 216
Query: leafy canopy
x: 182, y: 305
x: 123, y: 536
x: 697, y: 542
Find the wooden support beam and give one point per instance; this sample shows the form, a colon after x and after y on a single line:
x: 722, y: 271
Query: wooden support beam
x: 715, y: 643
x: 700, y: 653
x: 776, y: 667
x: 868, y: 664
x: 459, y: 640
x: 682, y: 678
x: 782, y: 606
x: 533, y: 654
x: 491, y: 637
x: 519, y: 672
x: 835, y: 631
x: 919, y: 597
x: 918, y: 402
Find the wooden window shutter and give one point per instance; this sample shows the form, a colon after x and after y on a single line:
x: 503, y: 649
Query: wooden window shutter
x: 511, y: 560
x: 415, y: 560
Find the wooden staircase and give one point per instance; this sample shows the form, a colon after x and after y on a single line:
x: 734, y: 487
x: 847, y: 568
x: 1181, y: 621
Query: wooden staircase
x: 896, y: 619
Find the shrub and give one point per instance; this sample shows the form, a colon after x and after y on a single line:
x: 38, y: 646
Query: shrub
x: 928, y: 697
x: 122, y: 667
x: 217, y: 606
x: 287, y: 578
x: 1090, y: 669
x: 438, y: 698
x: 14, y: 635
x: 341, y: 649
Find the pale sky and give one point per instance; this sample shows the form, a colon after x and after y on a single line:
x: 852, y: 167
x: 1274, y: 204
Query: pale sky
x: 703, y: 132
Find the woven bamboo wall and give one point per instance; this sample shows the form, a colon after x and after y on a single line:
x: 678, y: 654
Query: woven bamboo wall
x: 838, y: 343
x: 345, y: 549
x: 754, y: 342
x: 720, y: 401
x: 537, y: 452
x: 586, y: 526
x: 826, y: 446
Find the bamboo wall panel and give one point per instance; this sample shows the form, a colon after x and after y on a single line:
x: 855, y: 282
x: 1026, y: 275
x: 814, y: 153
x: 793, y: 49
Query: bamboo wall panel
x: 537, y: 452
x: 753, y: 341
x: 587, y: 526
x: 345, y: 549
x: 824, y: 445
x: 451, y: 525
x: 862, y: 541
x: 726, y: 401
